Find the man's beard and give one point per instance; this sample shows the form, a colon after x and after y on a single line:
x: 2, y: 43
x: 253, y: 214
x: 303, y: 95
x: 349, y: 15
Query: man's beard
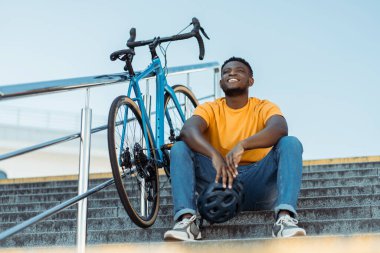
x: 234, y: 92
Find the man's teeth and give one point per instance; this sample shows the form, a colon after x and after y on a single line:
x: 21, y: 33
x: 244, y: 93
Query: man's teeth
x: 232, y: 80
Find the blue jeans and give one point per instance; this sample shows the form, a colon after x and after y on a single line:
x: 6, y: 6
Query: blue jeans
x: 271, y: 183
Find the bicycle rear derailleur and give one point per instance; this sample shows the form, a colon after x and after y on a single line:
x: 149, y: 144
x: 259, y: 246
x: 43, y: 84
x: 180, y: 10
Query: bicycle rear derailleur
x: 145, y: 167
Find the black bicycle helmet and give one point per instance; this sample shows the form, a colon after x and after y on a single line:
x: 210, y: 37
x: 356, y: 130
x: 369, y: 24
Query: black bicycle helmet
x: 217, y: 204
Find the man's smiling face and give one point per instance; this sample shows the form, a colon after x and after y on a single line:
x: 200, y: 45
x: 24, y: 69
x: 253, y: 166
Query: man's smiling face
x: 236, y: 79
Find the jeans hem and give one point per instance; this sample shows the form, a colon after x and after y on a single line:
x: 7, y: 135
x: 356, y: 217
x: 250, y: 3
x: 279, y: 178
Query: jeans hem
x: 286, y: 207
x: 183, y: 211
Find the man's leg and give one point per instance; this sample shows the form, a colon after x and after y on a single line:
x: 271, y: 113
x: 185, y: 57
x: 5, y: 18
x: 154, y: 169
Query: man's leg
x: 274, y: 182
x: 190, y: 172
x: 186, y: 178
x: 289, y: 158
x: 182, y: 179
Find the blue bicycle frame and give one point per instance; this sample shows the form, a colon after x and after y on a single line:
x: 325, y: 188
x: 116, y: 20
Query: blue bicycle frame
x: 161, y: 87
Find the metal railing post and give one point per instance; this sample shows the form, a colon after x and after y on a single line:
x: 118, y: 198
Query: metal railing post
x: 188, y: 80
x: 84, y: 167
x: 217, y: 89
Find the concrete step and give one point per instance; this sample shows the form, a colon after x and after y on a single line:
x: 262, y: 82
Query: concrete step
x: 313, y: 175
x: 340, y: 173
x: 112, y: 219
x: 111, y: 193
x: 56, y: 184
x: 214, y: 232
x: 330, y: 181
x: 41, y: 239
x: 119, y: 212
x: 69, y: 213
x: 334, y: 199
x: 63, y: 190
x: 166, y: 203
x: 34, y: 194
x: 307, y: 170
x: 303, y: 202
x: 347, y: 166
x: 339, y: 182
x: 363, y: 243
x: 339, y: 191
x: 62, y: 184
x: 325, y: 227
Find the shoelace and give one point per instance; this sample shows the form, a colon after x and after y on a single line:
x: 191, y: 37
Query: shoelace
x: 183, y: 223
x: 287, y: 220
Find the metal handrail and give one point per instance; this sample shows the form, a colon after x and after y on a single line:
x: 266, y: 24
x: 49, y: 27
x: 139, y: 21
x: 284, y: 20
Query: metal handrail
x: 39, y: 88
x: 29, y: 89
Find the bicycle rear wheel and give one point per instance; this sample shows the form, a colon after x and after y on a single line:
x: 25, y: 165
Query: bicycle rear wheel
x: 133, y: 167
x: 174, y: 123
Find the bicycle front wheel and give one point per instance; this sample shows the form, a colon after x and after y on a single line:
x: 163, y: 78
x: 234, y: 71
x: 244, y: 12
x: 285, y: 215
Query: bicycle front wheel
x: 133, y: 166
x: 174, y: 123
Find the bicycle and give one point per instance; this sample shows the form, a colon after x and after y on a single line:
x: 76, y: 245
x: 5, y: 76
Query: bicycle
x: 135, y: 151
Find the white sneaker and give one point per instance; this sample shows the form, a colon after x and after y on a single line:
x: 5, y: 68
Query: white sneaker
x: 184, y: 230
x: 286, y: 226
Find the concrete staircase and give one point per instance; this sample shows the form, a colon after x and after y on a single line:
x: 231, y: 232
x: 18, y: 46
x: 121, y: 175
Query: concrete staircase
x: 335, y: 199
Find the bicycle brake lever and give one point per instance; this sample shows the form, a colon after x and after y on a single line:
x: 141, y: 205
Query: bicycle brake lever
x: 204, y: 33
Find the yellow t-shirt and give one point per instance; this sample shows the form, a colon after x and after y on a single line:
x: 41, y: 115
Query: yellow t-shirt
x: 227, y: 126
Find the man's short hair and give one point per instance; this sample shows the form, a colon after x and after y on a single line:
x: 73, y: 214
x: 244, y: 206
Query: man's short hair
x: 233, y: 58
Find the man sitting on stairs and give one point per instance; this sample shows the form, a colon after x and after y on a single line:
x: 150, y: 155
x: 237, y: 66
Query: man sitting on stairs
x: 237, y: 137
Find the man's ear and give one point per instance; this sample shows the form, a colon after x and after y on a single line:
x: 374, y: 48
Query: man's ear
x: 251, y: 81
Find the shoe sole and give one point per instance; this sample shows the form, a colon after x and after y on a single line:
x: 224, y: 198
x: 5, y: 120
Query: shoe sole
x: 296, y: 234
x: 176, y: 237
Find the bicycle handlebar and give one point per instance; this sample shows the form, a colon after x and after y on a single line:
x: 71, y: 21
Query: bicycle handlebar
x: 194, y: 33
x: 124, y: 52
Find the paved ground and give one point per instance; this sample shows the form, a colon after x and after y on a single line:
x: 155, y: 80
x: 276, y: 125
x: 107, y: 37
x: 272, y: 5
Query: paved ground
x: 316, y: 244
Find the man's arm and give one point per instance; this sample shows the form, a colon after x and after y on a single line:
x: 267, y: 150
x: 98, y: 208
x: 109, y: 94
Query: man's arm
x: 275, y: 128
x: 192, y: 134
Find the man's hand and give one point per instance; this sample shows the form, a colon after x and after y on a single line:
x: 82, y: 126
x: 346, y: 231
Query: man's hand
x: 222, y: 171
x: 233, y: 158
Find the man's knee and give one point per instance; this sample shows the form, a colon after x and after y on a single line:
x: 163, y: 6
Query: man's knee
x: 290, y: 142
x: 179, y: 148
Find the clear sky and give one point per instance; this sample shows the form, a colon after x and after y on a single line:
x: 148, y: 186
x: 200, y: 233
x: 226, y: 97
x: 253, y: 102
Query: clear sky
x: 318, y: 60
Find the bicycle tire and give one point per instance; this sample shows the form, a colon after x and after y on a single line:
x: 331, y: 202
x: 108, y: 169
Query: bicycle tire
x: 183, y: 93
x: 129, y: 167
